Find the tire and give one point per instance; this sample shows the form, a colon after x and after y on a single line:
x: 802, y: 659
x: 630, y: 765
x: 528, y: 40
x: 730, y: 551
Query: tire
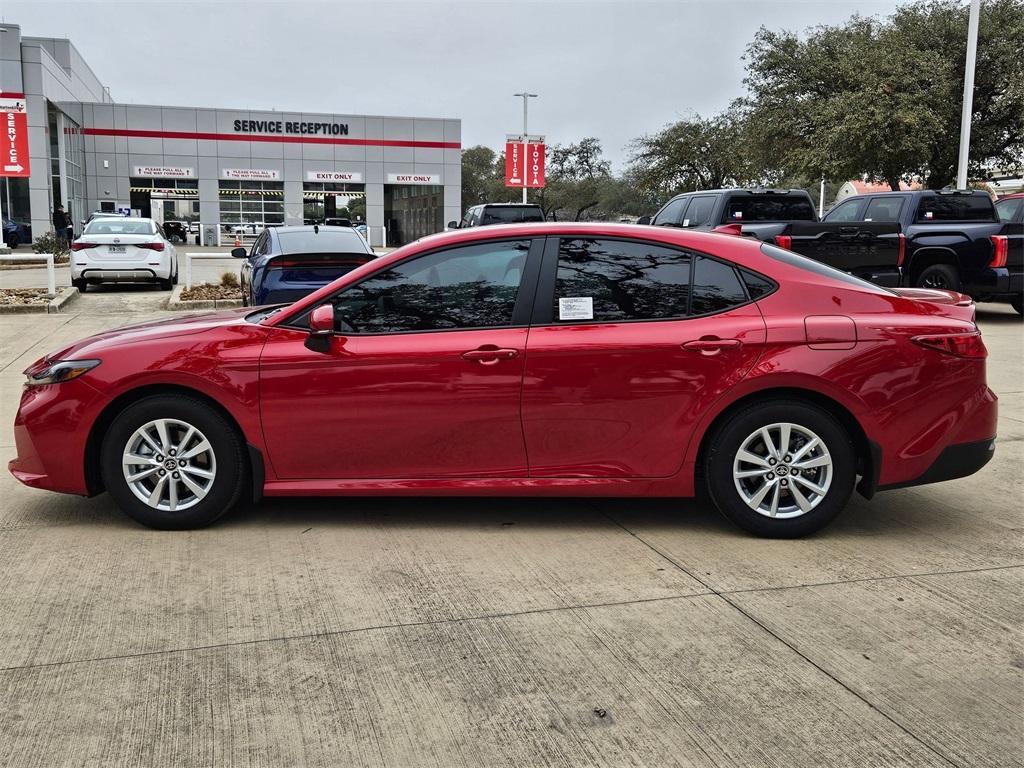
x: 941, y: 276
x: 742, y: 430
x: 81, y: 284
x: 174, y: 278
x: 13, y: 241
x: 1018, y: 304
x: 165, y: 285
x: 225, y: 459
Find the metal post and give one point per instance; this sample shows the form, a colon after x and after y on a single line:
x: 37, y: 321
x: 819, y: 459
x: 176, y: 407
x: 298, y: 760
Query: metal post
x: 188, y: 270
x: 821, y: 198
x: 51, y: 277
x: 526, y: 97
x: 965, y: 112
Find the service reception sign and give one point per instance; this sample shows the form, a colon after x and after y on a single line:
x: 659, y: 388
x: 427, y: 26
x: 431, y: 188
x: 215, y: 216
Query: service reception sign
x: 14, y: 160
x: 250, y: 174
x: 334, y: 177
x: 163, y: 172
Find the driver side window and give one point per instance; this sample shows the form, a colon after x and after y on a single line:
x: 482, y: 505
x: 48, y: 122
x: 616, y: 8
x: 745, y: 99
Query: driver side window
x: 474, y: 286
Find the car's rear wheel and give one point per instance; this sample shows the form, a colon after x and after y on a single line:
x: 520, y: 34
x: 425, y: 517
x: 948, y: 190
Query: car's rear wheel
x: 941, y: 276
x: 81, y: 284
x: 781, y: 469
x: 173, y: 462
x: 1018, y: 304
x: 165, y: 285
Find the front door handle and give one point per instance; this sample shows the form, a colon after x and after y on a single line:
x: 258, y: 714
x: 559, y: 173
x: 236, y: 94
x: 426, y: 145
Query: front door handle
x: 490, y: 355
x: 711, y: 345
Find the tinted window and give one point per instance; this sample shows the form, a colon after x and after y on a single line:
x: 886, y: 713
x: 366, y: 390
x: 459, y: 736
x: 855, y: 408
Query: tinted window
x: 1008, y: 209
x: 956, y: 208
x: 848, y: 210
x: 671, y: 213
x: 699, y: 211
x: 470, y: 287
x: 120, y: 226
x: 625, y: 280
x: 884, y: 209
x: 327, y: 240
x: 769, y: 207
x: 757, y: 286
x: 716, y: 286
x: 802, y: 262
x: 511, y: 215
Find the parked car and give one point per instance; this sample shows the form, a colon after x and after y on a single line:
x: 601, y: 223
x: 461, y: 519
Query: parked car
x: 16, y: 233
x: 953, y: 239
x: 498, y: 213
x: 120, y: 249
x: 786, y: 217
x: 175, y: 231
x: 287, y: 263
x: 1010, y: 210
x: 546, y: 360
x: 362, y: 229
x: 193, y: 227
x: 333, y: 221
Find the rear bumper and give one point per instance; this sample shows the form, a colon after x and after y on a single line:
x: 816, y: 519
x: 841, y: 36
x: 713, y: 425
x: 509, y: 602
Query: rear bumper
x: 955, y: 461
x: 999, y: 284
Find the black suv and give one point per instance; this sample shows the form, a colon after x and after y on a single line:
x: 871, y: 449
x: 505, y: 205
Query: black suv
x: 499, y: 213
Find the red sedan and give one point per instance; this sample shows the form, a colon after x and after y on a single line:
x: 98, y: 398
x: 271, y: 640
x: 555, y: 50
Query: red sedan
x: 543, y: 359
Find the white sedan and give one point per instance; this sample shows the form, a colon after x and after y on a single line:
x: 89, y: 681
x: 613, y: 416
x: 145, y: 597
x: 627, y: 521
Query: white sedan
x: 131, y: 250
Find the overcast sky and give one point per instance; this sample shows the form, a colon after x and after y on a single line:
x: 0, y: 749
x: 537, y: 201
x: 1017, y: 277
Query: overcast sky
x: 611, y: 70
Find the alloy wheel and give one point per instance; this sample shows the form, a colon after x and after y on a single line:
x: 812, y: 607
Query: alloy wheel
x: 782, y: 470
x: 169, y: 465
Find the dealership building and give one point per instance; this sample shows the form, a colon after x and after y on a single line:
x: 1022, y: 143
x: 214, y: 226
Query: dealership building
x: 225, y: 172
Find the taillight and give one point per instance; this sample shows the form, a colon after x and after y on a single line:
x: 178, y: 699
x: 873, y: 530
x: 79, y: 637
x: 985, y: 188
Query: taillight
x: 901, y: 254
x: 80, y: 246
x: 158, y: 246
x: 967, y: 345
x: 784, y: 241
x: 1000, y: 250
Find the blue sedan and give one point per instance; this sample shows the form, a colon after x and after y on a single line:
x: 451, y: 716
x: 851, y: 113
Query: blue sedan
x: 287, y: 263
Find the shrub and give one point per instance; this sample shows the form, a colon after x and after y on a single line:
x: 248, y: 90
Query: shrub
x: 50, y: 243
x: 229, y: 280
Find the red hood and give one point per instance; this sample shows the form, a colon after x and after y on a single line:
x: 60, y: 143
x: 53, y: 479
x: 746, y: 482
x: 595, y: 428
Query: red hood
x: 155, y: 329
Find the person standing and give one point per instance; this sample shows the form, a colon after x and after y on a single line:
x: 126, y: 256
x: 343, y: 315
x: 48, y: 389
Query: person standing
x: 61, y: 223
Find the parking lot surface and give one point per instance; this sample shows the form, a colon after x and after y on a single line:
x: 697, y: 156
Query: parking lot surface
x: 518, y: 632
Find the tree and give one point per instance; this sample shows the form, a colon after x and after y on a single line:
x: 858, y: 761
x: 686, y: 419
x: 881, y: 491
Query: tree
x: 692, y: 154
x: 881, y: 99
x: 575, y: 177
x: 483, y: 176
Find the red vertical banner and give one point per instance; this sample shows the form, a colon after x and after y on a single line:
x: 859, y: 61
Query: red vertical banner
x: 14, y: 140
x: 514, y: 164
x: 535, y: 165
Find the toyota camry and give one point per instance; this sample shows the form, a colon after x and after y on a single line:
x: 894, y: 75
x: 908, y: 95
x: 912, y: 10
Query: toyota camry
x: 533, y: 359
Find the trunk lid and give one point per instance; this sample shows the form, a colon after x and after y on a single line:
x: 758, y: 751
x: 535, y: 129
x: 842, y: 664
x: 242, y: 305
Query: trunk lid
x: 945, y: 303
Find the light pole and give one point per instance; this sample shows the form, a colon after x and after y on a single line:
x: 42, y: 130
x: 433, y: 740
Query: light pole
x: 526, y: 99
x: 967, y: 108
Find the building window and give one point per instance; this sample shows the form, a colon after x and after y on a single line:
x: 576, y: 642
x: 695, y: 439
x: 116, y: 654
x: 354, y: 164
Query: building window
x: 251, y: 205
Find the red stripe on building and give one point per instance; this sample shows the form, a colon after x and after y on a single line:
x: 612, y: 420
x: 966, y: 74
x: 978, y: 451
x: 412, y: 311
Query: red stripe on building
x: 264, y: 137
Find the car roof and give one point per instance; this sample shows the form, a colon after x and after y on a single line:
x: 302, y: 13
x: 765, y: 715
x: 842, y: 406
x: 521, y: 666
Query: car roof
x: 507, y: 205
x: 740, y: 191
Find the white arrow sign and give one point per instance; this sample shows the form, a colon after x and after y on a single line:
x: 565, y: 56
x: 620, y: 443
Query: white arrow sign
x: 16, y: 168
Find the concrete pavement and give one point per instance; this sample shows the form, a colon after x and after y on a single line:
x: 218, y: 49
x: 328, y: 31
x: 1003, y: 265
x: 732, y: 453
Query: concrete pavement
x: 502, y: 632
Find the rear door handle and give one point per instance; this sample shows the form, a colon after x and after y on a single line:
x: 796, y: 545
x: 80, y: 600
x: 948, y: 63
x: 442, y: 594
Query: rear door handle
x: 490, y: 355
x: 711, y: 346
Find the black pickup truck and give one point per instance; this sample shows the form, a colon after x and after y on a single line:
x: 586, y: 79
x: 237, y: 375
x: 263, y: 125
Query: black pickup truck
x: 953, y: 239
x: 786, y: 217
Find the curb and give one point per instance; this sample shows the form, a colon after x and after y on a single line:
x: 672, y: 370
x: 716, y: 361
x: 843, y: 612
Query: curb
x: 175, y: 303
x: 64, y: 297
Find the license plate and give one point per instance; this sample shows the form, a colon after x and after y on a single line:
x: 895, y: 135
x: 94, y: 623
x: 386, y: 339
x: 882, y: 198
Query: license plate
x: 115, y: 249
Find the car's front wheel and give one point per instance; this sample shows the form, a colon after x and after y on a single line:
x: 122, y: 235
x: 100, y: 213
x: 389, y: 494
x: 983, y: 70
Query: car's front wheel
x: 173, y: 462
x: 781, y: 469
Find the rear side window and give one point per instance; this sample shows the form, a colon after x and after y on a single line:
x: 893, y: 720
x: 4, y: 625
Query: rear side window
x: 769, y: 207
x: 810, y: 265
x: 956, y: 208
x: 618, y: 280
x: 757, y: 286
x: 672, y: 213
x: 846, y: 211
x: 699, y: 211
x: 716, y: 287
x: 884, y: 209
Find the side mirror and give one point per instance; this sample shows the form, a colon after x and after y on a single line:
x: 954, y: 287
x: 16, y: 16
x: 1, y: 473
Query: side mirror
x: 644, y: 220
x: 238, y: 253
x: 321, y: 321
x: 452, y: 225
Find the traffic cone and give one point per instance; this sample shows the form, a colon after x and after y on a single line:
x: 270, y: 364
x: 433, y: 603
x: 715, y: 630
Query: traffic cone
x: 238, y: 240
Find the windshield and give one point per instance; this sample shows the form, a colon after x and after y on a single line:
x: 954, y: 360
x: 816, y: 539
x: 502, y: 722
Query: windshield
x: 810, y: 265
x: 114, y: 226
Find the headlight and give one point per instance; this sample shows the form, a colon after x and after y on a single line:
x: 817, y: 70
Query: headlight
x: 60, y: 371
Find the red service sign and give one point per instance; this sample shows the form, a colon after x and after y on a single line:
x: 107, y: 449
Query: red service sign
x: 524, y: 164
x: 513, y: 164
x: 14, y: 156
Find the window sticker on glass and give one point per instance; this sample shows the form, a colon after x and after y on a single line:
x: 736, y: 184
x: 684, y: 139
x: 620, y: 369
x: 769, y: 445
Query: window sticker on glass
x: 576, y: 308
